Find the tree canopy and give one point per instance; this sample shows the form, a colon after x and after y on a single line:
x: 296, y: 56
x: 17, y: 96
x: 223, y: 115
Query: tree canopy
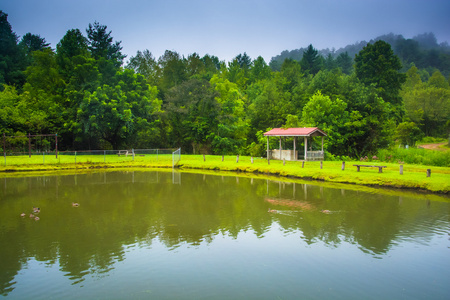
x: 83, y: 91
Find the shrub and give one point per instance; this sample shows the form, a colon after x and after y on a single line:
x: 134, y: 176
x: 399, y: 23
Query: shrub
x: 415, y: 156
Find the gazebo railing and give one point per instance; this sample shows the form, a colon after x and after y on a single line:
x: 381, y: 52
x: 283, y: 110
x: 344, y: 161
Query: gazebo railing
x: 315, y: 155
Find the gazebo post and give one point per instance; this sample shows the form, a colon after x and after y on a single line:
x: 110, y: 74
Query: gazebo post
x: 268, y: 148
x: 322, y: 143
x: 295, y: 139
x: 280, y: 148
x: 306, y: 146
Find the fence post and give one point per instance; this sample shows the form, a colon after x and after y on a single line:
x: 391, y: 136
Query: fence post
x: 428, y: 172
x: 75, y: 156
x: 132, y: 150
x: 252, y: 159
x: 104, y: 155
x: 43, y: 157
x: 343, y: 165
x: 204, y: 158
x: 222, y: 157
x: 56, y: 145
x: 237, y: 158
x: 321, y: 164
x: 401, y: 169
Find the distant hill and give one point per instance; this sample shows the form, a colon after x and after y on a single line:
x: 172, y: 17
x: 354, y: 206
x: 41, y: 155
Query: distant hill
x: 423, y: 50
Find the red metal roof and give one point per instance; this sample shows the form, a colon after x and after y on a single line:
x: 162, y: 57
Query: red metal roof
x: 305, y: 131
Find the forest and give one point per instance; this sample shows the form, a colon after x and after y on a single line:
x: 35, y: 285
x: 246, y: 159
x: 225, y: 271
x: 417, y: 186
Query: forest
x: 366, y: 97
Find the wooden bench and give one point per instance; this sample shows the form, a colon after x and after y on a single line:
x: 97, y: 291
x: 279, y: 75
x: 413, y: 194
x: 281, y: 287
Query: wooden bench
x: 380, y: 168
x: 123, y: 152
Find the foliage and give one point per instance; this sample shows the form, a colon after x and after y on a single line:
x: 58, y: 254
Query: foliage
x: 204, y: 105
x: 377, y: 65
x: 415, y: 156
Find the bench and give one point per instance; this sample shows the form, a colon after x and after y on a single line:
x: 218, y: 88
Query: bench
x: 380, y: 168
x: 123, y: 152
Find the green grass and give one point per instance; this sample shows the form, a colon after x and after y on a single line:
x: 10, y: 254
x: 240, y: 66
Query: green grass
x: 414, y: 176
x: 416, y: 156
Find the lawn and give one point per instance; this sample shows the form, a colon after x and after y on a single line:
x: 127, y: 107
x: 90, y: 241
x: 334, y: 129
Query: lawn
x: 414, y: 176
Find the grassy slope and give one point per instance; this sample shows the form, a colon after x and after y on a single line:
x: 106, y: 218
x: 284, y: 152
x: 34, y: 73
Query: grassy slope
x: 414, y: 176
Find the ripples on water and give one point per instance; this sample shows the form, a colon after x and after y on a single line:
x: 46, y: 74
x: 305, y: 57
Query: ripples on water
x: 188, y: 236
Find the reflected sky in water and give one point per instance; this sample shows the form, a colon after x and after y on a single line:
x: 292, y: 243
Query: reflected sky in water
x: 167, y: 235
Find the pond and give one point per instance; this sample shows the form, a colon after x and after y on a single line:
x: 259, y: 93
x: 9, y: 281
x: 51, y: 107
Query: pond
x: 163, y: 235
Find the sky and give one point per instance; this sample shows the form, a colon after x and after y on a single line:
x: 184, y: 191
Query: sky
x: 228, y: 28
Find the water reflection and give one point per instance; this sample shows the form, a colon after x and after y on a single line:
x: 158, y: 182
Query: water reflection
x: 119, y: 210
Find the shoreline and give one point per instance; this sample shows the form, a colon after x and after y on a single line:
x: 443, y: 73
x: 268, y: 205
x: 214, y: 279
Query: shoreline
x: 413, y: 178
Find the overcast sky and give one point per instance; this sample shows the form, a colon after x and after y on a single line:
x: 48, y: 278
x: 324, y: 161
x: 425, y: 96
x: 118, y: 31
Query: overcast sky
x: 228, y: 28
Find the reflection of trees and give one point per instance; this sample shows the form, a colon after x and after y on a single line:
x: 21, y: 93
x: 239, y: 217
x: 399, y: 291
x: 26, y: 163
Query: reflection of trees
x: 120, y: 209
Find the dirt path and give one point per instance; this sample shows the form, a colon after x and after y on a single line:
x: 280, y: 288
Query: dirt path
x: 436, y: 146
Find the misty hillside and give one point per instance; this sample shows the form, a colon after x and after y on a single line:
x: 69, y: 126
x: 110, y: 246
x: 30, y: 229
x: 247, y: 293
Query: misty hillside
x: 423, y: 50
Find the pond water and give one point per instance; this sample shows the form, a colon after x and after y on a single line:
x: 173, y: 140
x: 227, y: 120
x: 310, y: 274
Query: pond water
x: 164, y: 235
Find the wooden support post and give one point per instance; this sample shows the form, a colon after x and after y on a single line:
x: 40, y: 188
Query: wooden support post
x: 295, y: 140
x: 306, y: 147
x: 401, y: 169
x: 303, y: 164
x: 222, y: 157
x: 428, y: 172
x: 237, y: 158
x: 29, y: 144
x: 252, y: 159
x: 280, y: 147
x: 321, y: 164
x: 204, y: 159
x: 343, y: 165
x: 284, y: 162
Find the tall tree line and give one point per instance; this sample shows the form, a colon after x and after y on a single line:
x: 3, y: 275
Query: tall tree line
x: 83, y: 91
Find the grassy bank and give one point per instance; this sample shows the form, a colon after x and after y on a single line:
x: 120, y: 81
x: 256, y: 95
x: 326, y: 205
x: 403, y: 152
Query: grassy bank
x: 414, y: 176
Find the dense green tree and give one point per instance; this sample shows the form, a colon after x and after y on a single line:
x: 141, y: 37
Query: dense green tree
x: 238, y: 70
x: 330, y: 116
x: 329, y: 62
x: 376, y: 64
x: 269, y: 106
x: 118, y: 114
x: 408, y: 133
x: 345, y: 62
x: 12, y: 62
x: 232, y: 130
x: 145, y: 64
x: 192, y: 112
x: 32, y: 42
x: 429, y: 107
x: 311, y: 61
x: 72, y: 48
x: 259, y: 70
x: 173, y: 70
x: 101, y: 44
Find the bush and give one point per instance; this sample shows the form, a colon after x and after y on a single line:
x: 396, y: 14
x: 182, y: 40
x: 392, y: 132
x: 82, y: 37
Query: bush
x: 415, y: 156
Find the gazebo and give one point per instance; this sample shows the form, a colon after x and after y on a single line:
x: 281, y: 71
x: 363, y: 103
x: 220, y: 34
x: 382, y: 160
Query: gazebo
x: 295, y: 132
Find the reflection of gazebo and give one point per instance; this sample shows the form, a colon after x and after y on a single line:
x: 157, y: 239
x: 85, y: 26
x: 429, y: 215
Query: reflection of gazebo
x: 295, y: 132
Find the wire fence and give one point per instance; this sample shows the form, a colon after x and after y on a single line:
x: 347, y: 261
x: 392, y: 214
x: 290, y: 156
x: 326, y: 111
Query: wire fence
x: 155, y: 156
